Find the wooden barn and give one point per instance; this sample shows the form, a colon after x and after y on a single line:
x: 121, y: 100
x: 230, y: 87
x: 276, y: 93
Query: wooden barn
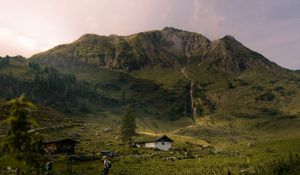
x: 64, y: 146
x: 163, y: 143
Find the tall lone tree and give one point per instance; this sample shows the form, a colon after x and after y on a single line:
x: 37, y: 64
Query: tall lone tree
x: 22, y: 144
x: 128, y: 127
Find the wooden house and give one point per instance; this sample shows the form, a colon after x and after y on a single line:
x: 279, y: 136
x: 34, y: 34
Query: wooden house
x: 163, y: 143
x: 65, y: 146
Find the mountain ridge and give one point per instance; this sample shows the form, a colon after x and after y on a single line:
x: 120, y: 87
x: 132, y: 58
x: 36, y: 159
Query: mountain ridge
x: 166, y: 74
x: 169, y: 47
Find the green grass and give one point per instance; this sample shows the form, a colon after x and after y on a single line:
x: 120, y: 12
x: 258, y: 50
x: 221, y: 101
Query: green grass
x: 167, y: 76
x: 232, y: 156
x: 208, y: 163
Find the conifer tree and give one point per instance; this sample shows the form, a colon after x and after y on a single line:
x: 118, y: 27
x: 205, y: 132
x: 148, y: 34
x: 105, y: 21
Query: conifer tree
x: 22, y: 144
x: 128, y: 127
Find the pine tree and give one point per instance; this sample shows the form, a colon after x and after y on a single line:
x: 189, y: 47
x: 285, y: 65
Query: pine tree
x: 22, y: 144
x: 128, y: 127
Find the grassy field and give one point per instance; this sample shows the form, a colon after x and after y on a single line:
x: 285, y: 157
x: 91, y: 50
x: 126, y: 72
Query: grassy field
x: 211, y: 145
x: 234, y: 159
x: 254, y: 154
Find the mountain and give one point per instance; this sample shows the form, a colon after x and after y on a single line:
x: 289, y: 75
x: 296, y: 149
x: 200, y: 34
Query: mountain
x: 162, y: 74
x: 169, y: 47
x: 173, y: 80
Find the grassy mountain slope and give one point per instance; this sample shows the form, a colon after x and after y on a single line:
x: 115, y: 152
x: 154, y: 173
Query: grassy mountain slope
x: 46, y: 117
x: 88, y: 90
x: 166, y: 74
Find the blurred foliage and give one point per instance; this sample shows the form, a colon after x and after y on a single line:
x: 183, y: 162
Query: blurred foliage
x: 22, y: 147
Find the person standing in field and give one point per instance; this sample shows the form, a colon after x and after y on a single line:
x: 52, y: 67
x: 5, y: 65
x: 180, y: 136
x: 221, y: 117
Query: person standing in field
x: 48, y: 168
x: 106, y: 165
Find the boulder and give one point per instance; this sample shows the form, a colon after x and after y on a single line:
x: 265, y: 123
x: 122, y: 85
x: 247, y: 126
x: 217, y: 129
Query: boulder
x: 269, y: 150
x: 107, y: 130
x: 251, y: 145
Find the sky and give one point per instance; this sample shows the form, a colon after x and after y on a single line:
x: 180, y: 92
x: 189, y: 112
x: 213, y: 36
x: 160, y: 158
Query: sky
x: 270, y: 27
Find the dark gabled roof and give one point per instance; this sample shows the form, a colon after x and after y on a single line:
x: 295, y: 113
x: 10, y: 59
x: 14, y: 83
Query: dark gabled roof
x: 151, y: 139
x: 62, y: 140
x: 164, y: 139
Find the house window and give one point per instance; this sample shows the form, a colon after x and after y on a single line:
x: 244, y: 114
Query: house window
x: 163, y: 143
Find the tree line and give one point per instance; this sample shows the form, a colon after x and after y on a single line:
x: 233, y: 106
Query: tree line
x: 52, y: 88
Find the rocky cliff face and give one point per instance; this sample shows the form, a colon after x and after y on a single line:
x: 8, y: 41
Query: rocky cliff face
x: 169, y: 47
x: 231, y: 56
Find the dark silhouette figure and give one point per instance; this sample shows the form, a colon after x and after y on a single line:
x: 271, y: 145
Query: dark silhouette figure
x: 48, y: 168
x: 106, y: 165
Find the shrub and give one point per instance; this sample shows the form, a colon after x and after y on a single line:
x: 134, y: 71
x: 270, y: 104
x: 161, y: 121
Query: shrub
x: 266, y: 96
x: 281, y: 166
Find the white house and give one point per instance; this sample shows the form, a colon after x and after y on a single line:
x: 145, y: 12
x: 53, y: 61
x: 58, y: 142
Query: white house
x: 164, y: 143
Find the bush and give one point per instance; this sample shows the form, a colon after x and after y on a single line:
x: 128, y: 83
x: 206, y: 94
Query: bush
x: 281, y: 166
x: 266, y: 96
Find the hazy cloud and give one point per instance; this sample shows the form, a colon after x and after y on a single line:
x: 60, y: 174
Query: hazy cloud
x: 267, y: 26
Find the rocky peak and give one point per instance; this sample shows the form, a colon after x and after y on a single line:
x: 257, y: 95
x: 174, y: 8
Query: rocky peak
x: 88, y: 36
x: 229, y: 37
x: 171, y: 29
x: 231, y: 56
x: 169, y: 47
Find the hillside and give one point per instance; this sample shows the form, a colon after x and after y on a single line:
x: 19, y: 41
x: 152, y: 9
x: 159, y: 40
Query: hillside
x: 164, y: 75
x: 46, y: 118
x: 218, y: 67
